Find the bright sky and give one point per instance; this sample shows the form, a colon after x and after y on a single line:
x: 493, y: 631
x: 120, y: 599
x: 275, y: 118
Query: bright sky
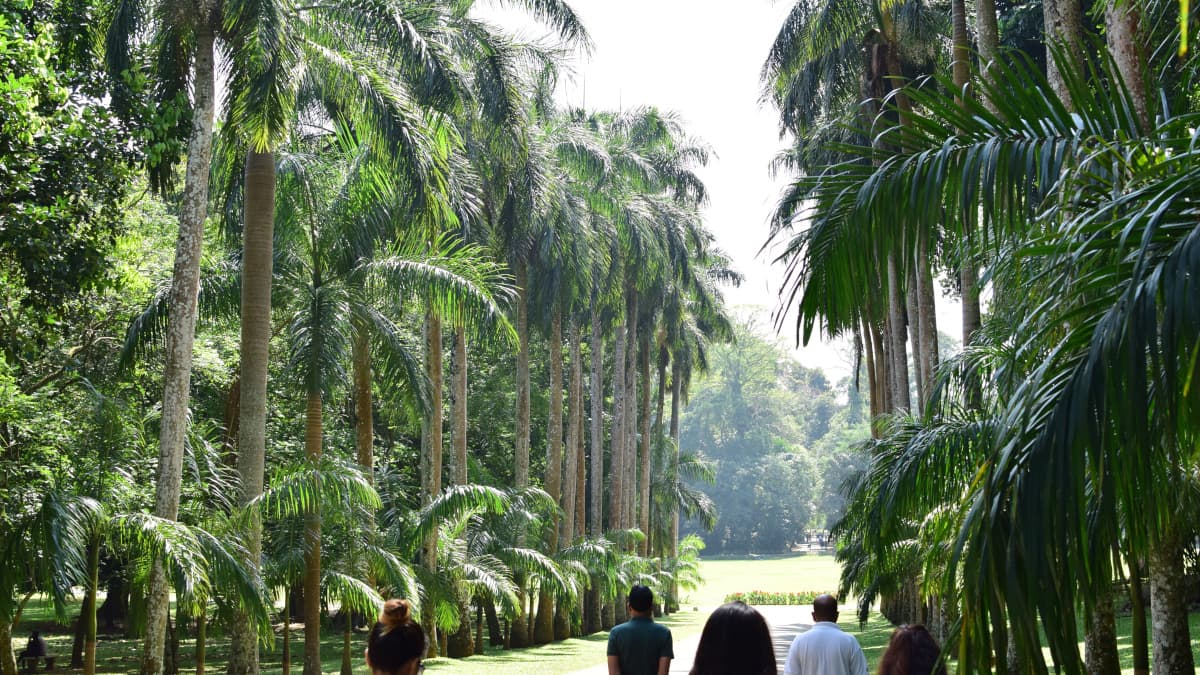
x: 702, y: 58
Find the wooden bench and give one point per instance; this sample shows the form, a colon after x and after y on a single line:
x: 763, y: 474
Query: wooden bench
x: 29, y: 664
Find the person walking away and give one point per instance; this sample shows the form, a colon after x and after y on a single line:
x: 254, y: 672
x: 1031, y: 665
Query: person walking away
x: 396, y: 644
x: 639, y: 646
x: 825, y: 649
x: 912, y: 651
x: 736, y: 641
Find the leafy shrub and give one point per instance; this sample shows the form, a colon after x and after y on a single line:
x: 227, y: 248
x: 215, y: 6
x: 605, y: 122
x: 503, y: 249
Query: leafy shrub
x: 774, y: 598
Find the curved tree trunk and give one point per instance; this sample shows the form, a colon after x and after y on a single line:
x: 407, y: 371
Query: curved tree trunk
x: 431, y: 451
x: 644, y: 445
x: 181, y: 332
x: 1172, y: 644
x: 313, y: 432
x: 257, y: 252
x: 544, y: 624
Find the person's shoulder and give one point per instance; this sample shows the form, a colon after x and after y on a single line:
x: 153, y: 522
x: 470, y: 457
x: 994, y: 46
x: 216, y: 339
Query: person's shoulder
x: 661, y: 629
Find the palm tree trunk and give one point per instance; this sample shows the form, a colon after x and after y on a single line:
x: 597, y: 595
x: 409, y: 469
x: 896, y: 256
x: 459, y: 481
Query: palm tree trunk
x: 257, y: 251
x: 431, y: 448
x: 644, y: 451
x: 1172, y: 644
x: 1100, y: 639
x: 926, y: 318
x: 364, y: 415
x: 617, y: 433
x: 181, y: 333
x: 201, y: 639
x: 899, y: 360
x: 571, y: 485
x: 544, y: 623
x: 1122, y: 30
x: 287, y: 633
x: 987, y: 37
x: 88, y: 613
x: 458, y: 406
x: 912, y: 315
x: 1137, y: 605
x: 673, y: 431
x: 521, y: 467
x: 629, y: 462
x: 596, y: 524
x: 1063, y: 20
x: 313, y: 432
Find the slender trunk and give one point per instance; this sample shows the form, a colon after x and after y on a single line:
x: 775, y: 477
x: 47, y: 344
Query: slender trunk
x: 181, y: 332
x: 257, y: 251
x: 596, y: 524
x: 287, y: 632
x: 495, y: 634
x: 644, y: 446
x: 233, y: 402
x: 581, y: 460
x: 479, y: 628
x: 201, y: 640
x: 571, y: 485
x: 987, y: 38
x: 660, y: 445
x: 629, y: 461
x: 1168, y: 610
x: 912, y: 309
x: 431, y: 447
x: 364, y: 416
x: 617, y: 433
x: 1137, y: 605
x: 544, y: 624
x: 673, y: 431
x: 1100, y: 639
x: 458, y: 406
x: 313, y: 432
x: 347, y: 664
x: 968, y: 273
x: 521, y: 470
x: 927, y: 318
x: 868, y: 345
x: 88, y: 613
x: 899, y: 361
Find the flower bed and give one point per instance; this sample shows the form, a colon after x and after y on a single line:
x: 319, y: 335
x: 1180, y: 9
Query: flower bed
x: 774, y: 598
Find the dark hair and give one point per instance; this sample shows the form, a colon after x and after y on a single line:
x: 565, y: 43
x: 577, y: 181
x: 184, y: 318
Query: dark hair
x: 735, y: 640
x: 912, y: 651
x: 641, y: 598
x: 396, y: 639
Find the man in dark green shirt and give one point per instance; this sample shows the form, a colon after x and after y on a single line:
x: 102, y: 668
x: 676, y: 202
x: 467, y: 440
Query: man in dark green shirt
x: 639, y: 646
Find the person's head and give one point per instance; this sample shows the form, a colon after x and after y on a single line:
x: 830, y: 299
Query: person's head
x: 396, y: 643
x: 641, y: 599
x: 35, y: 635
x: 825, y: 608
x: 912, y: 651
x: 735, y: 640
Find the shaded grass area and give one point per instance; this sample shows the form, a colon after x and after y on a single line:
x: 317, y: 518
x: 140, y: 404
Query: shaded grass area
x: 117, y: 654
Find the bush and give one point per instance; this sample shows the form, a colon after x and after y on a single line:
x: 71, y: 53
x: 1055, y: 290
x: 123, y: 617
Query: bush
x: 774, y: 598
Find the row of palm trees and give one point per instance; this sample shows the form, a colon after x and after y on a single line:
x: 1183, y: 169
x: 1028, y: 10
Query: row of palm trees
x: 1048, y: 463
x: 388, y: 159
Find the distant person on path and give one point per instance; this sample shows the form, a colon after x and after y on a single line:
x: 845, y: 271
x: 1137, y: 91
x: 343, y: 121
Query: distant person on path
x: 912, y: 651
x: 396, y: 644
x: 639, y: 646
x: 825, y: 649
x: 736, y: 641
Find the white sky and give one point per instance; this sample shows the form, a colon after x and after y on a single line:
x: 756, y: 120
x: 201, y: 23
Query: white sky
x: 702, y: 58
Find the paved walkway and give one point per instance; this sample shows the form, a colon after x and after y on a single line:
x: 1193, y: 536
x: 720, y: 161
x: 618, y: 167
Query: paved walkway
x: 785, y: 622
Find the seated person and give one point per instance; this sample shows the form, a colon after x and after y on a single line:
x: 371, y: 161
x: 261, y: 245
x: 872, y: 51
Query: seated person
x: 36, y: 649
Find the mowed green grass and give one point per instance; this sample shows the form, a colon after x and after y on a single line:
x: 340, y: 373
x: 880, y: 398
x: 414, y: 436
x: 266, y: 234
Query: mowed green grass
x: 810, y: 572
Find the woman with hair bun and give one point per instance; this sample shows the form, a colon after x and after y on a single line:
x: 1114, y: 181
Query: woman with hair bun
x: 396, y: 643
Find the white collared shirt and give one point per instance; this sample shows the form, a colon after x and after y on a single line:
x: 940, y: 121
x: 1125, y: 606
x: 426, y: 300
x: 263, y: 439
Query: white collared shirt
x: 825, y: 649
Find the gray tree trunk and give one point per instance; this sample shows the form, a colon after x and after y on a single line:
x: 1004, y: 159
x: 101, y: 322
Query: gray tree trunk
x: 1063, y: 21
x: 899, y: 352
x: 544, y: 622
x: 596, y: 524
x: 1169, y: 620
x: 1100, y: 639
x: 364, y: 415
x: 1125, y: 43
x: 644, y: 446
x: 458, y: 407
x: 431, y: 446
x: 313, y: 438
x: 181, y: 332
x: 629, y: 462
x: 617, y: 433
x: 521, y: 459
x: 570, y: 488
x: 257, y: 252
x: 927, y: 318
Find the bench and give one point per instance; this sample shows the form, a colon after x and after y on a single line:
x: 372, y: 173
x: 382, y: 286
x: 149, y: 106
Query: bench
x: 29, y: 664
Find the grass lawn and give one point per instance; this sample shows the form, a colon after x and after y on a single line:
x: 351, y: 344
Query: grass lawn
x: 810, y: 572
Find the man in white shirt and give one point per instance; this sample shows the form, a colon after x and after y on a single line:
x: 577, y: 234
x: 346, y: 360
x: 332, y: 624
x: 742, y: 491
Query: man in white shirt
x: 825, y: 649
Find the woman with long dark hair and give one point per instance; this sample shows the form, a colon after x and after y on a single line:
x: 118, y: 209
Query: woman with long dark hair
x: 396, y: 643
x: 912, y: 651
x: 735, y: 641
